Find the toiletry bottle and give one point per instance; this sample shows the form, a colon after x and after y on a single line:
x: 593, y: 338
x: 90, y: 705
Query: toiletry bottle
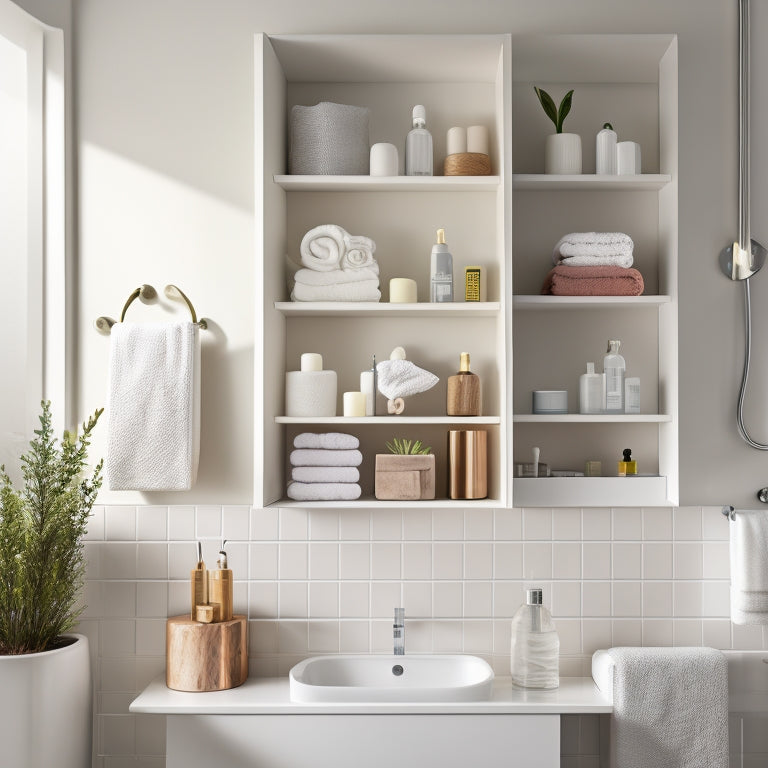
x: 632, y: 395
x: 535, y: 652
x: 220, y: 587
x: 591, y: 391
x: 418, y: 145
x: 368, y: 388
x: 605, y: 150
x: 198, y: 579
x: 463, y: 391
x: 614, y: 368
x: 627, y: 466
x: 441, y: 271
x: 310, y: 391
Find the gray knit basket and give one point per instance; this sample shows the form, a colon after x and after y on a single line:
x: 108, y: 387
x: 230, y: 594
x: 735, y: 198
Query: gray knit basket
x: 329, y: 139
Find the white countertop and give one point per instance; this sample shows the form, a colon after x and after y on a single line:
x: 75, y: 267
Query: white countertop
x: 270, y: 696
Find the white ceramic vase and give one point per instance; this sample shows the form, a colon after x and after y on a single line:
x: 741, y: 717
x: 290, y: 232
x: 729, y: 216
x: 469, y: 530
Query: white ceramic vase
x: 45, y: 707
x: 562, y: 153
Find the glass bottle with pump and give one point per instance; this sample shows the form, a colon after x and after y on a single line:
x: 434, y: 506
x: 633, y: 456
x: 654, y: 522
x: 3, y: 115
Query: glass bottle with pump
x: 535, y: 652
x: 418, y: 145
x: 614, y: 368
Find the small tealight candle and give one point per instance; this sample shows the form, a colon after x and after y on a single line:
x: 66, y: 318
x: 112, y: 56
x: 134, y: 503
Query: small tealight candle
x: 354, y: 404
x: 402, y: 290
x: 477, y: 139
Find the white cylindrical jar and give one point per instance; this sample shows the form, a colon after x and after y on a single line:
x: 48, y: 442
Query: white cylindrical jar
x: 562, y: 154
x: 310, y: 391
x: 384, y: 159
x: 605, y: 151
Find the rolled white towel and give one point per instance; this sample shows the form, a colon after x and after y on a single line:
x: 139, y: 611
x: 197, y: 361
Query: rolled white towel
x: 324, y: 491
x: 325, y: 474
x: 338, y: 441
x: 336, y: 276
x: 323, y: 246
x: 319, y: 457
x: 359, y: 253
x: 594, y: 249
x: 360, y: 290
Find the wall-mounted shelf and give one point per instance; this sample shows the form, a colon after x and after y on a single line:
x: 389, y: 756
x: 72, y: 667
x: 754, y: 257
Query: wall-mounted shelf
x: 590, y: 418
x: 385, y: 309
x: 646, y: 182
x: 389, y: 421
x: 548, y: 303
x: 639, y: 491
x: 458, y: 184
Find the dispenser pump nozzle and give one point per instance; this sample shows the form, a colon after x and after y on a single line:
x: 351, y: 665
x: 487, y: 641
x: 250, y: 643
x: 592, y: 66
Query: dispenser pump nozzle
x: 441, y: 237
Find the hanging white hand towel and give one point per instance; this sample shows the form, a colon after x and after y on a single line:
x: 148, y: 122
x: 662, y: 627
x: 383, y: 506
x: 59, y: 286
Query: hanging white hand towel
x: 153, y: 407
x: 749, y: 566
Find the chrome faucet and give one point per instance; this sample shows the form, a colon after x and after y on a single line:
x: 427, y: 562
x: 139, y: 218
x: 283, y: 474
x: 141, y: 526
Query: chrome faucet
x: 398, y: 631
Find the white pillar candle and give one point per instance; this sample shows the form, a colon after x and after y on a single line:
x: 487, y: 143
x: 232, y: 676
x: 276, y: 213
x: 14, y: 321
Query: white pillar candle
x: 383, y: 159
x: 354, y: 404
x: 402, y: 290
x: 628, y: 158
x: 456, y: 141
x: 367, y: 388
x: 311, y: 361
x: 477, y: 139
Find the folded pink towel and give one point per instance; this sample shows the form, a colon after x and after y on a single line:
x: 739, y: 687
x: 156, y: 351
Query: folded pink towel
x: 593, y: 281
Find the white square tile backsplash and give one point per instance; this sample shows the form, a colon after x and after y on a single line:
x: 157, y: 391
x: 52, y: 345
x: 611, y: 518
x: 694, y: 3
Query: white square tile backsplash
x: 326, y: 581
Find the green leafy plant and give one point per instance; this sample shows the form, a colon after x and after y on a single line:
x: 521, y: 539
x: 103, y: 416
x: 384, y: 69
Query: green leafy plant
x: 556, y: 114
x: 404, y: 447
x: 42, y: 564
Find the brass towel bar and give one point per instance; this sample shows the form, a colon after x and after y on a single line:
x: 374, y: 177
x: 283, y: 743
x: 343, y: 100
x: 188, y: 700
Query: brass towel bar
x: 147, y: 293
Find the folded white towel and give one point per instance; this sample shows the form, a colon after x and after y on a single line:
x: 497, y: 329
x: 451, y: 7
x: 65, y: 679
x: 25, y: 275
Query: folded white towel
x: 324, y: 491
x: 360, y: 290
x: 153, y: 407
x: 670, y: 706
x: 329, y: 440
x: 359, y: 253
x: 325, y: 474
x: 594, y: 249
x: 322, y: 247
x: 318, y: 457
x: 749, y: 567
x: 337, y: 276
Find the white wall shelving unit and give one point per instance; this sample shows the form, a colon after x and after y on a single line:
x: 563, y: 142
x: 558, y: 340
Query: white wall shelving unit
x: 630, y: 80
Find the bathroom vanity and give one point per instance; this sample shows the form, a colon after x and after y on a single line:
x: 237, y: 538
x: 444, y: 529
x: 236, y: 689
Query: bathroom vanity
x: 258, y: 725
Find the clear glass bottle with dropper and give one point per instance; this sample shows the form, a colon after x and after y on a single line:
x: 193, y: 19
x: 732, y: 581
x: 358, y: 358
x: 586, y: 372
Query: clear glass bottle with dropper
x: 418, y: 145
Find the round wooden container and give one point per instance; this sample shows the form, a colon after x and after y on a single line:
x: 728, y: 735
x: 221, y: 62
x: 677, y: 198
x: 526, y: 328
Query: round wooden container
x: 467, y: 164
x: 205, y: 657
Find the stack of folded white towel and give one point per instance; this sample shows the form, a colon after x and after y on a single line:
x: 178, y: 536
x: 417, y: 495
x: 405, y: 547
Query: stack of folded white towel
x: 324, y: 467
x: 337, y: 266
x: 594, y: 249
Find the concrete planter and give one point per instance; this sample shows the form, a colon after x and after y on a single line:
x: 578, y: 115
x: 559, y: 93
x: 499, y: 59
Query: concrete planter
x: 45, y: 707
x: 405, y: 478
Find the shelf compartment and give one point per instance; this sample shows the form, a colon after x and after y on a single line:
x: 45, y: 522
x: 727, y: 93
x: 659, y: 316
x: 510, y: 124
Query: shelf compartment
x: 592, y: 418
x: 298, y: 183
x: 648, y: 182
x: 385, y: 309
x: 537, y: 302
x: 640, y: 491
x: 389, y: 421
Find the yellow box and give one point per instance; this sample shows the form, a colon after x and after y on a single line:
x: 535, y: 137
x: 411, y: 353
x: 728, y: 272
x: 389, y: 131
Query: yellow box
x: 473, y: 283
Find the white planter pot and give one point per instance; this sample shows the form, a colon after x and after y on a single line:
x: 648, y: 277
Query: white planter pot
x: 45, y: 708
x: 562, y: 153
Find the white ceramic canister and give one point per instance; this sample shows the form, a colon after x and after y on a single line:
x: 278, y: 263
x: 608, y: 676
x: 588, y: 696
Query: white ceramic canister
x: 383, y: 159
x: 562, y: 154
x: 605, y: 151
x: 628, y: 159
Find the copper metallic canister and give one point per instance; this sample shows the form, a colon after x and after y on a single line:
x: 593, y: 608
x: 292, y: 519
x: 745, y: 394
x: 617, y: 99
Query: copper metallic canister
x: 467, y: 463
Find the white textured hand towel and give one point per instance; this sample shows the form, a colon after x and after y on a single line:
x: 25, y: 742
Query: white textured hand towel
x: 594, y: 249
x: 749, y: 567
x: 325, y: 474
x: 337, y: 276
x: 324, y: 491
x: 670, y: 706
x: 153, y: 407
x: 360, y: 290
x: 359, y: 253
x: 338, y: 441
x: 318, y: 457
x: 323, y: 246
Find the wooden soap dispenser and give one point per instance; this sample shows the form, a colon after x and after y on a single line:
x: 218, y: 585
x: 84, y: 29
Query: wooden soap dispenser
x: 464, y: 397
x: 220, y: 586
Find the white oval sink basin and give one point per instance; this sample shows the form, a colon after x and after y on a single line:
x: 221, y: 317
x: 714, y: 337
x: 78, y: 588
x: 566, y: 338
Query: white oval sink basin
x: 391, y: 678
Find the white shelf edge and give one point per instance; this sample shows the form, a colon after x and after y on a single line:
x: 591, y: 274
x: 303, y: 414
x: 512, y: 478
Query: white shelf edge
x: 587, y: 181
x: 640, y: 491
x: 389, y: 420
x: 592, y: 418
x: 299, y: 183
x: 370, y: 501
x: 536, y: 302
x: 385, y: 309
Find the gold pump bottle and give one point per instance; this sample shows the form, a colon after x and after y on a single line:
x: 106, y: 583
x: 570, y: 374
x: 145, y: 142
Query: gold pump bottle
x: 464, y: 396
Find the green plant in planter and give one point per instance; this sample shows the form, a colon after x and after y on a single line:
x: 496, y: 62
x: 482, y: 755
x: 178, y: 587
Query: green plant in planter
x: 404, y: 447
x: 42, y: 565
x: 556, y: 114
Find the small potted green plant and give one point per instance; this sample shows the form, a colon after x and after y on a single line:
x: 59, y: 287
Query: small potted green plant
x: 562, y: 151
x: 406, y: 473
x: 46, y: 696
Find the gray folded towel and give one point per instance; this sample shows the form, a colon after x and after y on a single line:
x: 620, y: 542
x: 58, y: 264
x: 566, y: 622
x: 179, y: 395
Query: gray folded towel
x: 324, y: 491
x: 318, y: 457
x: 333, y: 440
x: 325, y: 474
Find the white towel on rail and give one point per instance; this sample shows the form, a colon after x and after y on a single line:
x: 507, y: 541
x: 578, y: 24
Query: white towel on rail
x: 749, y: 566
x: 153, y: 407
x: 670, y: 706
